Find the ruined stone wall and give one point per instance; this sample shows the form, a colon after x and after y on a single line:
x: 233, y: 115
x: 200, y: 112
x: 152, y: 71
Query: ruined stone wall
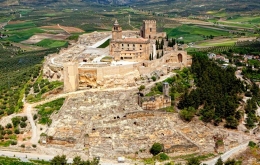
x: 155, y: 102
x: 110, y: 124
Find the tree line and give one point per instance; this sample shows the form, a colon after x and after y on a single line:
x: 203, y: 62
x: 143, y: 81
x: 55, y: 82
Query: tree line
x: 216, y: 94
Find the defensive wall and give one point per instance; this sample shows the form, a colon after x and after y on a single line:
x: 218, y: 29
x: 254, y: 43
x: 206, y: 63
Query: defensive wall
x: 122, y: 75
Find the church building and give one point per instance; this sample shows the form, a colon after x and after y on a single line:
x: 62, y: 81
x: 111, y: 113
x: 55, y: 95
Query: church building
x: 129, y: 49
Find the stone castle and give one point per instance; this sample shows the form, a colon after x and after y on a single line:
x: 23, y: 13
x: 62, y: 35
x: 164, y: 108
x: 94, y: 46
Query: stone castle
x: 130, y: 53
x: 117, y: 122
x: 134, y: 49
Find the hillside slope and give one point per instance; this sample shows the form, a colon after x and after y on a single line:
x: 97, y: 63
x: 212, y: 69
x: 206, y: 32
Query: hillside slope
x: 201, y: 3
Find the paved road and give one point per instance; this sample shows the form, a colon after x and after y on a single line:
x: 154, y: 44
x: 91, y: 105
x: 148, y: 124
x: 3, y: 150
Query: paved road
x: 27, y: 156
x: 228, y: 154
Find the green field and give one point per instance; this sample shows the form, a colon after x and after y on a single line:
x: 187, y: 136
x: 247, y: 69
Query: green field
x: 244, y: 19
x: 18, y: 36
x: 24, y: 25
x: 237, y: 24
x: 219, y: 43
x: 192, y: 33
x: 48, y: 43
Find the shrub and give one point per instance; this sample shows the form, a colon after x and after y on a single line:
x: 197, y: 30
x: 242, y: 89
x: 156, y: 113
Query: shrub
x: 2, y: 112
x: 156, y: 148
x: 193, y: 161
x: 23, y: 124
x: 187, y: 114
x: 16, y: 121
x: 13, y: 142
x: 219, y: 162
x: 163, y: 157
x: 231, y: 122
x: 142, y: 87
x: 35, y: 117
x: 23, y: 146
x: 10, y: 111
x: 24, y: 118
x: 251, y: 144
x: 17, y: 131
x: 9, y: 125
x: 9, y: 132
x: 34, y: 146
x: 153, y: 78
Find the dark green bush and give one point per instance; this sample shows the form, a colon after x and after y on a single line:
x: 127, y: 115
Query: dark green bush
x: 156, y: 148
x: 16, y: 131
x: 23, y: 124
x: 9, y: 125
x: 251, y: 144
x: 163, y: 157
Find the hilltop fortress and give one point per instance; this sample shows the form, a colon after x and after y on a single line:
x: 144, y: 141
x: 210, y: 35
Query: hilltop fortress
x: 130, y: 59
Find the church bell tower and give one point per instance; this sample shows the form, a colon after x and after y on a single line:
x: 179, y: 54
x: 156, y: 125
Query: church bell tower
x: 116, y: 31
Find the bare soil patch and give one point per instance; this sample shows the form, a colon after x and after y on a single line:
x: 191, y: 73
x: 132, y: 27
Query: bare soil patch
x: 38, y: 37
x: 27, y: 47
x: 15, y: 22
x: 65, y: 28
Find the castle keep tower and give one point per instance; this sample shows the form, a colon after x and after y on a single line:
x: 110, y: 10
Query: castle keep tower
x: 148, y: 30
x: 71, y: 76
x: 116, y: 31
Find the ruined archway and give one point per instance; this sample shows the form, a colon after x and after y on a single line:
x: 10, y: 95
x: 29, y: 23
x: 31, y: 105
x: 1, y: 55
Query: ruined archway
x: 180, y: 58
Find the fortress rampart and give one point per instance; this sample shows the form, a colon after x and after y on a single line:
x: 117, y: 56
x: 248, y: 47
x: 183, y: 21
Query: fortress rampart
x: 122, y: 75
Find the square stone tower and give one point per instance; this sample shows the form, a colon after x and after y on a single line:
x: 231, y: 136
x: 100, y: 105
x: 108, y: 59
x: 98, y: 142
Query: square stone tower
x: 116, y: 31
x: 148, y: 30
x: 71, y: 76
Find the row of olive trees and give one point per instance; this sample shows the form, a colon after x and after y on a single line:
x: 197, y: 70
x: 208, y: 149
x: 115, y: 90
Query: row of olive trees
x: 62, y: 160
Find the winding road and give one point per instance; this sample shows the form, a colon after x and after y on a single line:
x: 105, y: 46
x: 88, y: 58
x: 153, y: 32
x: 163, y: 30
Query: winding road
x: 228, y: 154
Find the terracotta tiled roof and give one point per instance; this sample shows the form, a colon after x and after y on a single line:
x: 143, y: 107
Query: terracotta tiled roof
x: 132, y: 40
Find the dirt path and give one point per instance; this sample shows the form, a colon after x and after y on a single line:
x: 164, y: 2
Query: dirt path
x: 63, y: 29
x: 34, y: 138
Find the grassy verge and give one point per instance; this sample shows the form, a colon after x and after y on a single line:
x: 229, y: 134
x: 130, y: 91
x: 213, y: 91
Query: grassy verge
x: 105, y: 44
x: 48, y: 43
x: 45, y: 110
